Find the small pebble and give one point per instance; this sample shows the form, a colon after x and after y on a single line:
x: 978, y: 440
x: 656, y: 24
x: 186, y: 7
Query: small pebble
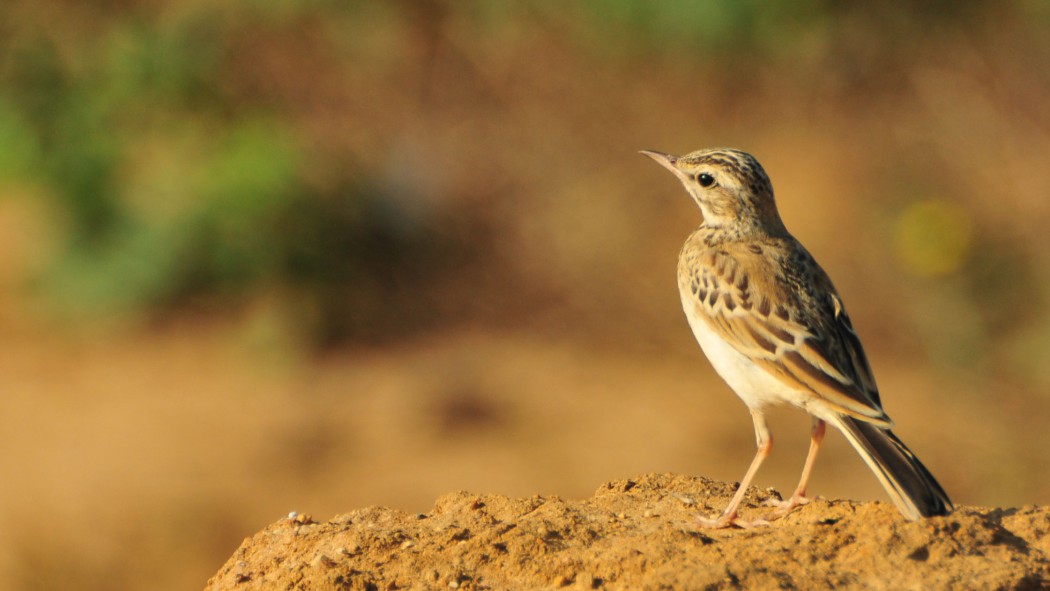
x: 322, y: 560
x: 688, y: 501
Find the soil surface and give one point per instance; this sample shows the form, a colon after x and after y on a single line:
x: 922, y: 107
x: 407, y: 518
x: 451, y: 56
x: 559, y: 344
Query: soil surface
x: 640, y: 533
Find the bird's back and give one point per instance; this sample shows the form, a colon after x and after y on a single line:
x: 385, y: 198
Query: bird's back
x: 766, y: 300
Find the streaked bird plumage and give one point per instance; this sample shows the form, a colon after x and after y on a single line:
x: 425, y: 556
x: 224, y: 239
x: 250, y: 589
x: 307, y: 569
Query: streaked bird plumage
x: 775, y: 329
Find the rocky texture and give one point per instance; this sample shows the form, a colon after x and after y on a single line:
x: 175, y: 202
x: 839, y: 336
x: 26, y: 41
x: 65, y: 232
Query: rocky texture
x: 641, y: 534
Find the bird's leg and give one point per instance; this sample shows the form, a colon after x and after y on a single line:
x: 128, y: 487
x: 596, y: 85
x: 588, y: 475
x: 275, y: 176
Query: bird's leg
x: 799, y: 496
x: 764, y: 442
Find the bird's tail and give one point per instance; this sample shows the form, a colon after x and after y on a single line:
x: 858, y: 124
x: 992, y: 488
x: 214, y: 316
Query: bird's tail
x: 911, y: 486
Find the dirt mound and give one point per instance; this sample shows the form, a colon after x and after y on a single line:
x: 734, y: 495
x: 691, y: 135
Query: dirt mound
x: 640, y: 534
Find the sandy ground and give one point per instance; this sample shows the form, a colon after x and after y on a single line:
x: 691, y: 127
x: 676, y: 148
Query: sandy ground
x: 640, y: 533
x: 157, y: 459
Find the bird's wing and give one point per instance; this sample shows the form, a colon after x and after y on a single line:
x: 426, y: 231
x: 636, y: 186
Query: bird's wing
x: 791, y: 323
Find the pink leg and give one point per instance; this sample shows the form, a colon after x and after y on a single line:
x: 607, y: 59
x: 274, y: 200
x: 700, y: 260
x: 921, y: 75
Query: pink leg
x: 764, y: 442
x: 799, y: 496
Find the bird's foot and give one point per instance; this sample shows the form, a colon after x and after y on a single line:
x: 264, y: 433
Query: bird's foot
x: 783, y: 507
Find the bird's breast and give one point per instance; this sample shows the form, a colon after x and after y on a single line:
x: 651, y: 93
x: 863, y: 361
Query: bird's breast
x: 753, y: 384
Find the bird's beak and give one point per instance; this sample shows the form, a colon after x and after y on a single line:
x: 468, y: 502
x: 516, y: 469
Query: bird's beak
x: 665, y: 160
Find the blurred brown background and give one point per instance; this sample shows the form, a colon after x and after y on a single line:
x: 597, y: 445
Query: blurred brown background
x: 262, y: 256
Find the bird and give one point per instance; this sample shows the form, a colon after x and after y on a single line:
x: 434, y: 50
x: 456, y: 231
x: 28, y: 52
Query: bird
x: 775, y: 329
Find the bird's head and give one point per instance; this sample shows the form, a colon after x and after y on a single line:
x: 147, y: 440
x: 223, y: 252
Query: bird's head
x: 730, y: 186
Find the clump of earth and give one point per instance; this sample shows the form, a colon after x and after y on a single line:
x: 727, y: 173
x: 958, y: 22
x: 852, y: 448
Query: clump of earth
x: 641, y: 533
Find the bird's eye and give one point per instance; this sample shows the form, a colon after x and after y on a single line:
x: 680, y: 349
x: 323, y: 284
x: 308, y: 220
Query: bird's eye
x: 705, y: 179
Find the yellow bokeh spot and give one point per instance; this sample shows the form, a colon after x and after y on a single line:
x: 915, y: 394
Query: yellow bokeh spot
x: 933, y: 237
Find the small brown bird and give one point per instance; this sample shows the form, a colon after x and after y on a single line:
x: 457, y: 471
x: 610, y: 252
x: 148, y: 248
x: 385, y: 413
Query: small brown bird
x: 771, y: 323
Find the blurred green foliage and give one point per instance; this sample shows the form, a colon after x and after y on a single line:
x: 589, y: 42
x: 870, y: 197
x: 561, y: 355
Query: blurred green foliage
x: 174, y: 191
x: 711, y: 25
x: 754, y: 30
x: 182, y: 181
